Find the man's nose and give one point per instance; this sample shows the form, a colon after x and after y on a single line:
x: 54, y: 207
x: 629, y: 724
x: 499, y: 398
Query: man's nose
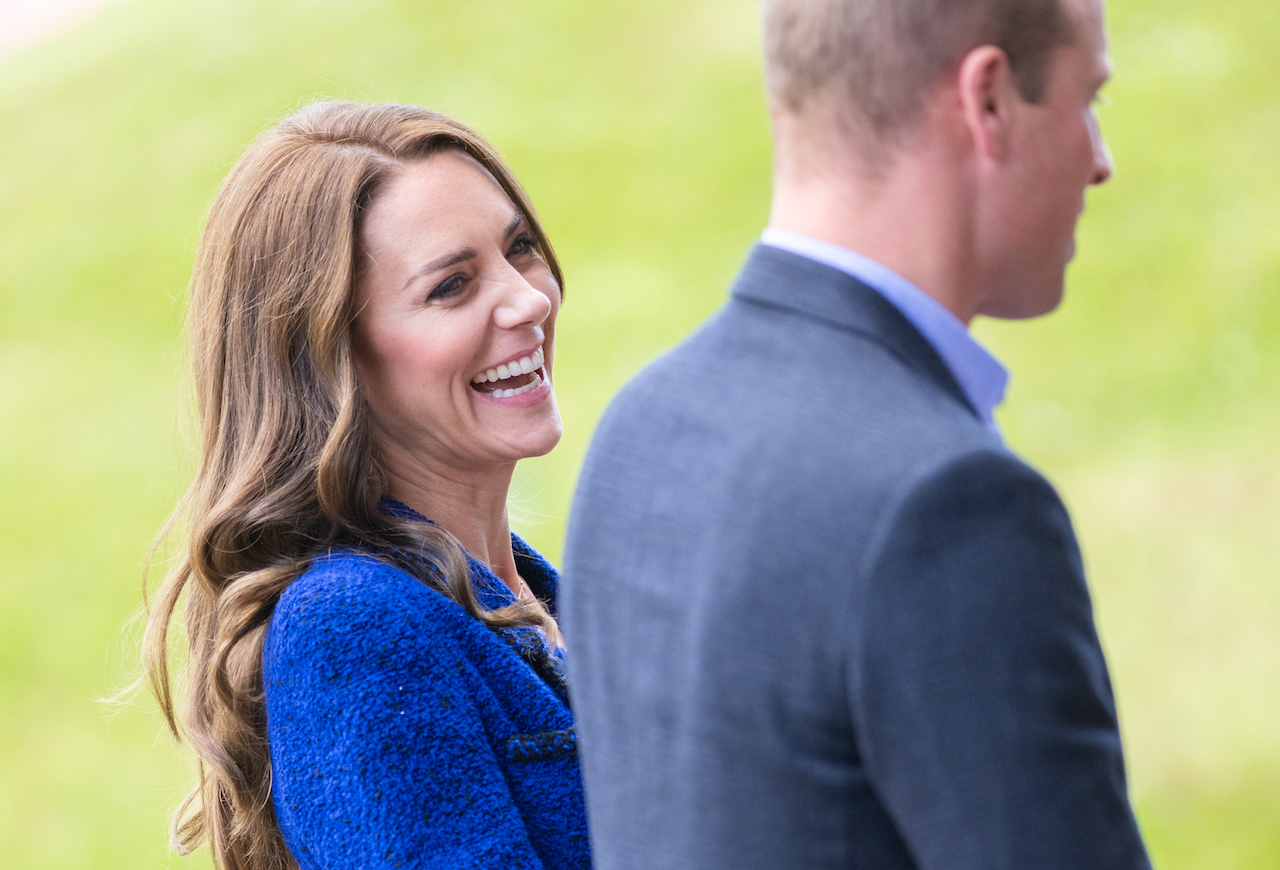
x: 1103, y: 166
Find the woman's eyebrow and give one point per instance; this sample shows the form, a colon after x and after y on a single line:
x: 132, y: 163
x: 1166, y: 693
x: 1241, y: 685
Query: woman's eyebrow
x: 516, y: 220
x: 442, y: 263
x: 461, y: 256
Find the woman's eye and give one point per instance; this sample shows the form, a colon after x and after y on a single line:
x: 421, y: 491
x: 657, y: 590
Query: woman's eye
x: 447, y: 288
x: 525, y: 243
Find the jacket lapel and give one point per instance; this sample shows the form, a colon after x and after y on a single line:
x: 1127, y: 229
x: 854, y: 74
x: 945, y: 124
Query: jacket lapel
x: 789, y: 282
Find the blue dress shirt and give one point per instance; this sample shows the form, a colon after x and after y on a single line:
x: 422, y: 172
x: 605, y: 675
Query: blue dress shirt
x: 979, y: 374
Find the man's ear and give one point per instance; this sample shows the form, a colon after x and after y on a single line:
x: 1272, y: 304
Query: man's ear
x: 988, y: 95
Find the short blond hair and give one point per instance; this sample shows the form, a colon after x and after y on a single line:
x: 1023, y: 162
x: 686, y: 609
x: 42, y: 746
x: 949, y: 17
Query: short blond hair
x: 885, y: 56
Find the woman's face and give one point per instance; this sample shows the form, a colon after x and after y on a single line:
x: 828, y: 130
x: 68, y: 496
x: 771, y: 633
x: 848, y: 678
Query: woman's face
x: 454, y: 325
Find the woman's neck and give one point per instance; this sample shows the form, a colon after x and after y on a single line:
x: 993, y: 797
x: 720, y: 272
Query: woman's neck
x: 471, y: 506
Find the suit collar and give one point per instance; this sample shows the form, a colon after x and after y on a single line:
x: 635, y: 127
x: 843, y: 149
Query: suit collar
x: 783, y: 280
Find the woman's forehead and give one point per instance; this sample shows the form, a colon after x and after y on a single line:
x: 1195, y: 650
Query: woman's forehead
x: 449, y: 190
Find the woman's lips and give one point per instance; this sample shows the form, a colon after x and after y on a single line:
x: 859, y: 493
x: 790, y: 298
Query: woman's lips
x: 525, y: 390
x: 512, y: 386
x: 512, y: 370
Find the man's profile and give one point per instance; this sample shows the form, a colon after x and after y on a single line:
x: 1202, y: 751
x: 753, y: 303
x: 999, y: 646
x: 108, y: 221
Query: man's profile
x: 817, y: 614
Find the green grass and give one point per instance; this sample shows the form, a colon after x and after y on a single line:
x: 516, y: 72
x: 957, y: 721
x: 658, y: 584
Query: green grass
x: 1149, y: 397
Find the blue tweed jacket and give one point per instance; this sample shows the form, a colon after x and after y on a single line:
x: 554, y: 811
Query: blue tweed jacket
x: 404, y: 733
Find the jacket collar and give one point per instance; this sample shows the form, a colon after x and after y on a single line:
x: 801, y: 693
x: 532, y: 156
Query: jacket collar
x: 543, y: 579
x: 780, y: 279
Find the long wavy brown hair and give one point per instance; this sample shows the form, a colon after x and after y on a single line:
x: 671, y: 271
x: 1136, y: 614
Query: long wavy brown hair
x: 286, y: 468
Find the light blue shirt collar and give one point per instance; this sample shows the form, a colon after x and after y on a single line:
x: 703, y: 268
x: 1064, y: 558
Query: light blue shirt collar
x: 979, y: 374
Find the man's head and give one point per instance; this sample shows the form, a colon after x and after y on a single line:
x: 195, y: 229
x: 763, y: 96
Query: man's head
x: 880, y: 59
x: 1033, y: 167
x: 950, y: 139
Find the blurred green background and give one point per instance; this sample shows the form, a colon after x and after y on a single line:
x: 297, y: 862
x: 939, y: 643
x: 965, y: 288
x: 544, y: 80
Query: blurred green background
x: 1151, y: 397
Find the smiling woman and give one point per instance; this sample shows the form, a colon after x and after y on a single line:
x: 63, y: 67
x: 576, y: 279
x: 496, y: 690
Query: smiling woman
x: 371, y: 326
x: 454, y: 306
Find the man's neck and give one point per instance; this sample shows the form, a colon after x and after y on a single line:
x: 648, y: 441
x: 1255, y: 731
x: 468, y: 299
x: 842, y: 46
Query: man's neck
x: 912, y: 217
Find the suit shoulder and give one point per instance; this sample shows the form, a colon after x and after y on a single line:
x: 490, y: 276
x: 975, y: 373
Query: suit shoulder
x: 972, y: 492
x: 689, y: 353
x: 974, y: 467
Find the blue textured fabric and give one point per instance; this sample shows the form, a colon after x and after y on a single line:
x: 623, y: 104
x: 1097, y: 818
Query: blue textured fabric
x: 818, y: 616
x: 405, y: 734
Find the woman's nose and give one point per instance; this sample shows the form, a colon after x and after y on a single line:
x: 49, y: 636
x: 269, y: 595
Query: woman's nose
x: 521, y: 304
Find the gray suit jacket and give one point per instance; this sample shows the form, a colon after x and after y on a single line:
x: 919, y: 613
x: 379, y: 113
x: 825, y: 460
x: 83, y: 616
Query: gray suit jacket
x: 819, y: 617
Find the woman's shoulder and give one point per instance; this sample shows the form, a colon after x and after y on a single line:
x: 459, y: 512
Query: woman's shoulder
x: 339, y: 579
x: 349, y: 597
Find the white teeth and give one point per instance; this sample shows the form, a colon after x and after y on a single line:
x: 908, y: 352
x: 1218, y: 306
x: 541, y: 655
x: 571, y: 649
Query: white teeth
x: 522, y: 366
x: 506, y: 394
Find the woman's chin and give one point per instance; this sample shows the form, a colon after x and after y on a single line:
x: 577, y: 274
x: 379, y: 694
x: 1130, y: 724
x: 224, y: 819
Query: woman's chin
x: 527, y: 431
x: 545, y: 440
